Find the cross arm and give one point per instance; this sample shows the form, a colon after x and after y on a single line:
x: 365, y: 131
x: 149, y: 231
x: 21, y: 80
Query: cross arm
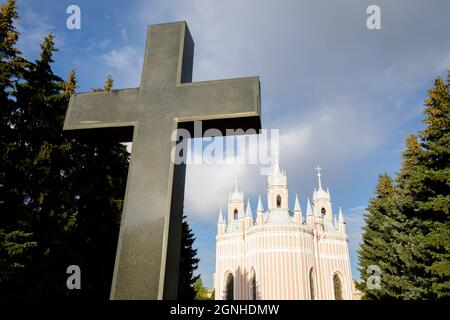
x: 116, y: 110
x: 214, y: 101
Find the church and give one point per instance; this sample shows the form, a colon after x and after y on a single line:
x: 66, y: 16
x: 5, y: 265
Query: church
x: 281, y: 254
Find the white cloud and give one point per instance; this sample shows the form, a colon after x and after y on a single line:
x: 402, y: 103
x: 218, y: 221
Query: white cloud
x: 125, y: 65
x: 33, y: 28
x: 354, y: 218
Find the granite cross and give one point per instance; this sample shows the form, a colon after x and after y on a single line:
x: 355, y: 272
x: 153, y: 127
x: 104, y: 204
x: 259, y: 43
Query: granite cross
x: 148, y: 248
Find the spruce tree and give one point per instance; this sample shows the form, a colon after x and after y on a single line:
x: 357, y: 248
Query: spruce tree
x: 60, y: 197
x: 425, y: 180
x: 15, y: 242
x: 408, y: 230
x: 188, y: 264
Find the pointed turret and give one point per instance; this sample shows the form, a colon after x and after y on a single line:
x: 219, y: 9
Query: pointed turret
x: 309, y: 214
x: 309, y: 211
x: 248, y: 215
x: 248, y: 212
x: 297, y: 211
x: 259, y: 212
x: 341, y: 216
x: 220, y: 220
x: 297, y: 205
x: 260, y: 205
x: 220, y: 223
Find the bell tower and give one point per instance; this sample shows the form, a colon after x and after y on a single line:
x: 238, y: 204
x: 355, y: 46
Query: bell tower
x: 236, y: 203
x: 322, y: 200
x: 277, y: 188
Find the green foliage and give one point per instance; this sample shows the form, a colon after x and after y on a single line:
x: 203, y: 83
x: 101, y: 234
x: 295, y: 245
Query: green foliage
x: 188, y: 265
x: 60, y: 197
x: 201, y: 292
x: 407, y: 232
x: 107, y: 86
x: 14, y: 253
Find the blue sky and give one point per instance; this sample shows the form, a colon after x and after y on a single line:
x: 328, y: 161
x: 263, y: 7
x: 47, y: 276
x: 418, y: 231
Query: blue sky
x: 342, y: 96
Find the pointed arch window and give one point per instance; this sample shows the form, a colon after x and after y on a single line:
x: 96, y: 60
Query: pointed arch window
x: 323, y: 211
x: 278, y: 201
x: 337, y: 285
x: 229, y: 287
x: 235, y: 214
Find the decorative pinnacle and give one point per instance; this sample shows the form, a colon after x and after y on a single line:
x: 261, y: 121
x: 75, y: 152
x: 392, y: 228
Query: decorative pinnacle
x: 260, y: 205
x: 236, y: 182
x: 318, y: 176
x: 220, y: 216
x: 297, y: 205
x: 309, y: 209
x: 248, y: 213
x: 341, y: 216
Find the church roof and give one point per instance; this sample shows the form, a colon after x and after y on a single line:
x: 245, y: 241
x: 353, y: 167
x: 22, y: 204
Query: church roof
x: 279, y: 217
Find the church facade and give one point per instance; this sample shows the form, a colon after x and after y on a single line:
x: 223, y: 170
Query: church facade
x: 282, y: 254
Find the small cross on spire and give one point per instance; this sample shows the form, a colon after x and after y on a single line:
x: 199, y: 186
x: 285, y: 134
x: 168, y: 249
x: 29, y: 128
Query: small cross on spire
x: 318, y: 176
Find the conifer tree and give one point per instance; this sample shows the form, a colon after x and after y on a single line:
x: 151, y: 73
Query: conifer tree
x: 60, y: 197
x: 188, y: 264
x: 408, y: 231
x: 425, y: 179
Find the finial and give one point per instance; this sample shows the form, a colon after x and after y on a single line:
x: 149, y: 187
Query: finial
x: 236, y: 182
x: 318, y: 176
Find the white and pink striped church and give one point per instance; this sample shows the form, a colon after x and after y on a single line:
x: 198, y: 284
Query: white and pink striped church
x: 282, y: 254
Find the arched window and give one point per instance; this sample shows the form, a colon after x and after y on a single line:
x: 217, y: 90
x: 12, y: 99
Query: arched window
x: 311, y: 285
x: 235, y: 214
x: 253, y: 285
x: 337, y: 285
x: 323, y: 211
x: 278, y: 201
x: 229, y: 287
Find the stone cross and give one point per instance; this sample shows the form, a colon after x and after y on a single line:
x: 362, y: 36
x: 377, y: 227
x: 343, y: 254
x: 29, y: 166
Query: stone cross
x: 148, y: 248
